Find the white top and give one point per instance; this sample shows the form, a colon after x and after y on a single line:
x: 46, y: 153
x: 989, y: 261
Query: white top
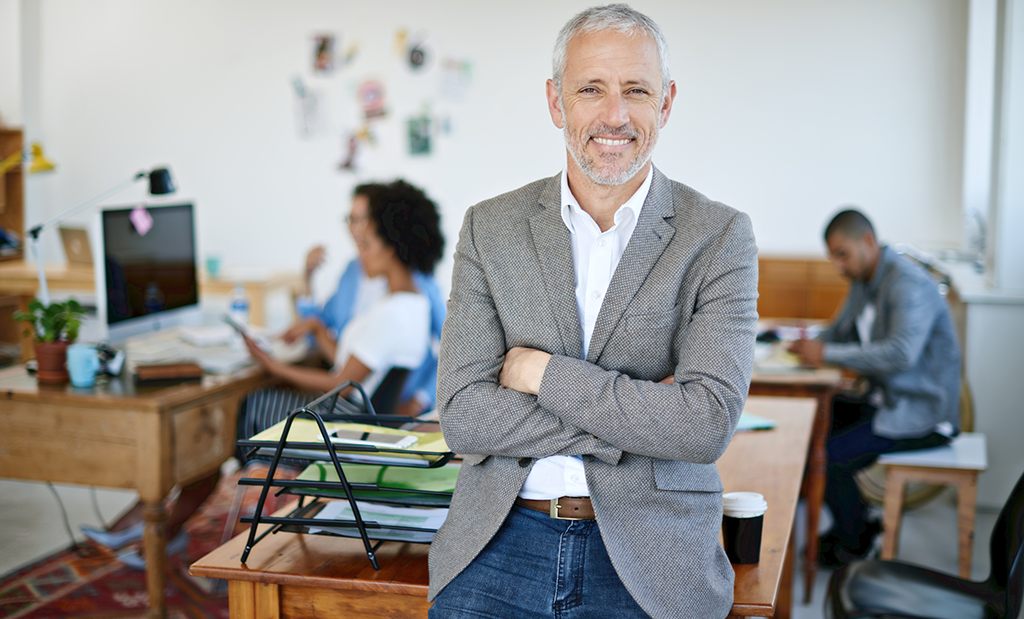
x: 595, y: 256
x: 393, y: 332
x: 369, y: 290
x: 865, y: 322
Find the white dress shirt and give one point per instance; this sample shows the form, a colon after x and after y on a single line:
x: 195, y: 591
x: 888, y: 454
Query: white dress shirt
x: 595, y: 256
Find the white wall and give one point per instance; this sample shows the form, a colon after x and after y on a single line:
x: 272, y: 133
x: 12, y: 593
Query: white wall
x: 1008, y: 212
x: 786, y: 109
x: 993, y: 358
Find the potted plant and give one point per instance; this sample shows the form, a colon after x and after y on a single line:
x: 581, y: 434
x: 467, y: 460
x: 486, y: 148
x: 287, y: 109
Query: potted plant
x: 54, y: 327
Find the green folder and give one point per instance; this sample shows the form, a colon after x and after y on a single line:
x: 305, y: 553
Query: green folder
x: 424, y: 486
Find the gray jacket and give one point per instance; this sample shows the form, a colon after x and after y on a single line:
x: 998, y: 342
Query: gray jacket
x: 682, y: 301
x: 912, y: 353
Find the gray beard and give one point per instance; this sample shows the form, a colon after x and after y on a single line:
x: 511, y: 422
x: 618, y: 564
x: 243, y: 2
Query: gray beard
x: 586, y: 165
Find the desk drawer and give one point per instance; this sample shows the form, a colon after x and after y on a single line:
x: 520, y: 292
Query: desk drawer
x: 204, y: 437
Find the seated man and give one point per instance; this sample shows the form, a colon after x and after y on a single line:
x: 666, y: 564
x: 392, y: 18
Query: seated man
x: 895, y: 330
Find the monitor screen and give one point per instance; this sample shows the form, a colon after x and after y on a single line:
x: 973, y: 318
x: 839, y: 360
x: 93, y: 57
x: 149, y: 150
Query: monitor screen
x: 149, y: 263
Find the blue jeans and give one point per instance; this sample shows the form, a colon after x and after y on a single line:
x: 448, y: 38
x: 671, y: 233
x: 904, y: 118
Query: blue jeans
x: 537, y: 566
x: 852, y: 446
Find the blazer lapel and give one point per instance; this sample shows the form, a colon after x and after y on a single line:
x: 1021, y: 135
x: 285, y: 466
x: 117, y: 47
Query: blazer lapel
x: 554, y: 252
x: 650, y: 238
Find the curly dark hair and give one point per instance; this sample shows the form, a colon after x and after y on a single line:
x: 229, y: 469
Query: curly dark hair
x: 407, y: 221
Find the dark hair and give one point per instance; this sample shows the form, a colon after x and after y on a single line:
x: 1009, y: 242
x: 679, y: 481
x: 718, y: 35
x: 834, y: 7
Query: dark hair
x: 368, y: 190
x: 407, y: 221
x: 851, y: 223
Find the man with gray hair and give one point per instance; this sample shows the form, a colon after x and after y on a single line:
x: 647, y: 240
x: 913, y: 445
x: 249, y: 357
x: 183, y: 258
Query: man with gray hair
x: 594, y: 362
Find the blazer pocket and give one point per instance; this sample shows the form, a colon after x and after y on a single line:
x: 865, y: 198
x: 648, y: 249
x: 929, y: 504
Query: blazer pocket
x: 646, y: 322
x: 474, y: 459
x: 688, y: 476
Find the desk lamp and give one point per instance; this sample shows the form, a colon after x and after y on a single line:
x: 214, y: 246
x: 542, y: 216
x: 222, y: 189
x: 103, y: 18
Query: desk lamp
x: 160, y: 183
x: 34, y: 159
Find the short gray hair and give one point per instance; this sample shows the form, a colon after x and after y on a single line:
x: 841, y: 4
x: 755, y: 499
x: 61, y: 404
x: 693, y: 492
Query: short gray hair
x: 619, y: 17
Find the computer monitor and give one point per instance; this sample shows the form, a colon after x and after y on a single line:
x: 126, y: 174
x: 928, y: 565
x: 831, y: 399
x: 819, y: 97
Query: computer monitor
x: 146, y: 270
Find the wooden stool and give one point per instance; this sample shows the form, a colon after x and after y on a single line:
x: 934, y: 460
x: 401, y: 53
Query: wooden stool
x: 956, y: 464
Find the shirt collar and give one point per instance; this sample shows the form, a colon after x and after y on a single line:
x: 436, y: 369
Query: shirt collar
x: 885, y: 259
x: 633, y: 205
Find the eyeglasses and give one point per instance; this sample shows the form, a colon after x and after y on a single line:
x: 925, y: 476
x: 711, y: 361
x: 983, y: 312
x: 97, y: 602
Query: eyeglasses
x: 351, y: 219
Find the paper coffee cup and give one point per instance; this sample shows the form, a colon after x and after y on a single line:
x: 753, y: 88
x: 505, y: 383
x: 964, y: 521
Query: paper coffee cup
x: 742, y: 522
x: 743, y: 504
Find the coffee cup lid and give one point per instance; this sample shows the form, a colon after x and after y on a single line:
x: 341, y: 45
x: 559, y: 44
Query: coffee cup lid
x: 744, y: 504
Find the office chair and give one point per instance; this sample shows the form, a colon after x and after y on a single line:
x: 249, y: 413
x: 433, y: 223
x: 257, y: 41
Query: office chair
x: 386, y: 395
x: 879, y: 589
x: 871, y: 480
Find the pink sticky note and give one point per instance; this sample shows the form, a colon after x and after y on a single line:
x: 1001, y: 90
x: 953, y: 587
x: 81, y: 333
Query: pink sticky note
x: 141, y: 220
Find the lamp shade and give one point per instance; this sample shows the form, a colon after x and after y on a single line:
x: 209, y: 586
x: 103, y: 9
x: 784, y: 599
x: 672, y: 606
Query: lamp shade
x: 160, y: 181
x: 39, y: 162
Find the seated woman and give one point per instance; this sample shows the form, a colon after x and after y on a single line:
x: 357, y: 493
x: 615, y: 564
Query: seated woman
x: 355, y: 293
x: 403, y: 236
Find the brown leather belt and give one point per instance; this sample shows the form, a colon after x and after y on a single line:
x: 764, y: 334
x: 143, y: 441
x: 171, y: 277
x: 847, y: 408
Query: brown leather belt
x: 562, y: 508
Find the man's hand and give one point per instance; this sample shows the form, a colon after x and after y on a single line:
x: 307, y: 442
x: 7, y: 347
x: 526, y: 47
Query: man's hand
x: 811, y: 352
x: 524, y: 369
x: 314, y: 258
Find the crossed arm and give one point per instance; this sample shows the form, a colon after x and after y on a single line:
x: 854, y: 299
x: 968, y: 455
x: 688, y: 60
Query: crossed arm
x: 529, y: 403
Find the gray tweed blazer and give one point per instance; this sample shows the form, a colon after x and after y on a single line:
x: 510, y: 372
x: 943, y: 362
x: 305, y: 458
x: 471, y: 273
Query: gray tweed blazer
x: 682, y: 301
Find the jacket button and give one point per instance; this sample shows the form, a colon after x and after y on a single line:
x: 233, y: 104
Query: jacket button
x: 524, y: 462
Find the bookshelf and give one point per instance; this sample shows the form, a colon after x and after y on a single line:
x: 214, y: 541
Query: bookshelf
x: 12, y: 193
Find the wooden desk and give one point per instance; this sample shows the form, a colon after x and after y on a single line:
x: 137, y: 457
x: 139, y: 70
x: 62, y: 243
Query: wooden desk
x: 120, y: 436
x: 821, y: 385
x: 291, y: 575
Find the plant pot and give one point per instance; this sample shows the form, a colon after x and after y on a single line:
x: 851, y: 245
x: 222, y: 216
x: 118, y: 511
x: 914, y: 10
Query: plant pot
x: 51, y: 358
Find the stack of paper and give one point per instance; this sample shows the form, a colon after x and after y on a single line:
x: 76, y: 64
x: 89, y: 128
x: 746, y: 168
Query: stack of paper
x: 416, y: 524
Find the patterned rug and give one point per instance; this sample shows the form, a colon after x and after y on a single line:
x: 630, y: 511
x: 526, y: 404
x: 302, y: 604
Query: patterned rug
x: 91, y: 582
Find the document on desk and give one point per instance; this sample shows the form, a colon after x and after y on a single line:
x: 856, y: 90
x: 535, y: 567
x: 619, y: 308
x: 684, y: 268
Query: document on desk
x: 425, y: 519
x: 772, y: 358
x: 429, y: 446
x: 749, y: 421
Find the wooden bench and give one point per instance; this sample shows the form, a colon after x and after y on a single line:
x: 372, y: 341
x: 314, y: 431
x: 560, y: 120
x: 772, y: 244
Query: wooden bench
x: 957, y: 465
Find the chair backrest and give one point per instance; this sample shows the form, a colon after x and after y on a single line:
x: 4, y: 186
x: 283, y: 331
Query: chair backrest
x: 1007, y: 549
x: 385, y: 397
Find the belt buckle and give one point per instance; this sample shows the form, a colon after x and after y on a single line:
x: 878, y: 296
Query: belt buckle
x: 553, y: 511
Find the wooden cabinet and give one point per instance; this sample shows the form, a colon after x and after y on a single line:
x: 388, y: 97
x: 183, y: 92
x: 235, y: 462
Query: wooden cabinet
x: 798, y: 287
x: 12, y: 193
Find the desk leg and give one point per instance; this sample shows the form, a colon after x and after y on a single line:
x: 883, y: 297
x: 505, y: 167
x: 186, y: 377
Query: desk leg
x: 154, y: 544
x: 241, y: 599
x: 814, y: 488
x: 966, y: 497
x: 784, y: 598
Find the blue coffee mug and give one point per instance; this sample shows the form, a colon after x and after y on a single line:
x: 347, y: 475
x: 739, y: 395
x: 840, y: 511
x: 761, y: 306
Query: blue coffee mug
x: 83, y: 363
